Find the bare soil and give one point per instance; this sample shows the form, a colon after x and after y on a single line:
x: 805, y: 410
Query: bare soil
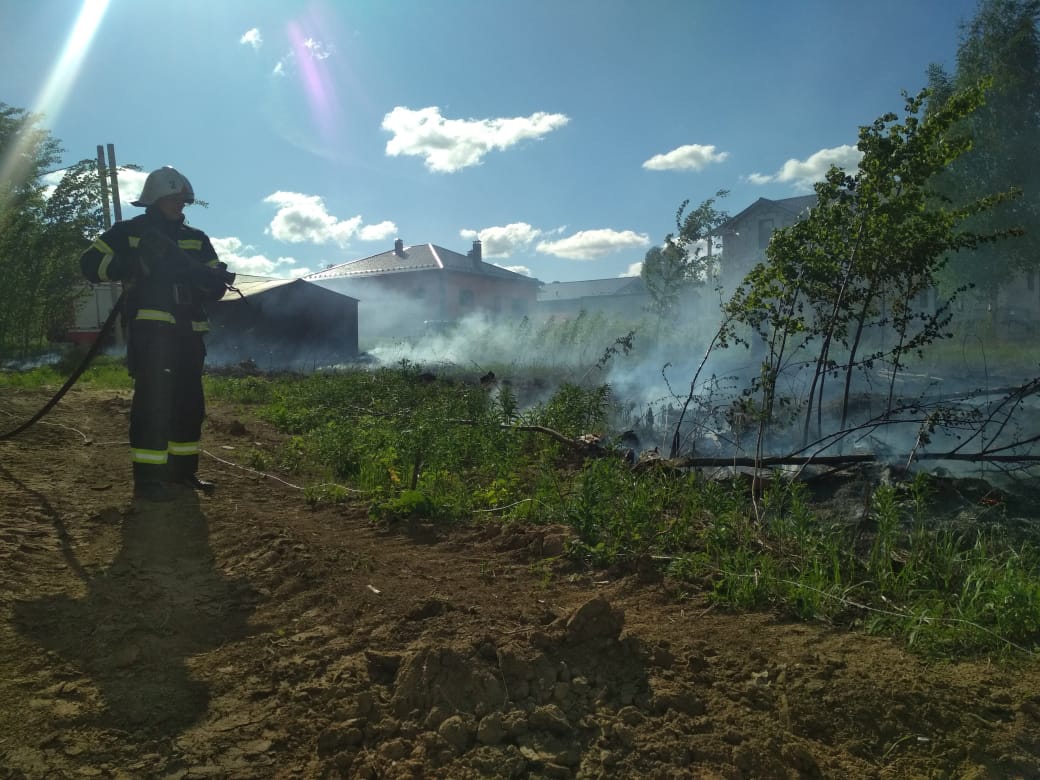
x: 248, y: 635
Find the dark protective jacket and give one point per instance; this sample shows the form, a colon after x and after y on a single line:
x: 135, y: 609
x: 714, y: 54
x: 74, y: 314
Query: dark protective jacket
x: 170, y: 270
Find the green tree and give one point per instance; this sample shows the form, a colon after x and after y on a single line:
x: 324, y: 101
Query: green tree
x: 838, y: 289
x: 42, y: 232
x: 1002, y: 44
x: 688, y: 258
x: 27, y: 150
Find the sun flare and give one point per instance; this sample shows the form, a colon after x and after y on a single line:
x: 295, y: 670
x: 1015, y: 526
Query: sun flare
x: 13, y: 168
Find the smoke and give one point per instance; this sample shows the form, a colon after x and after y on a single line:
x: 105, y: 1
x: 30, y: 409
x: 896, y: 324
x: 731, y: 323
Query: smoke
x: 649, y: 365
x: 30, y: 363
x: 647, y: 362
x: 479, y: 341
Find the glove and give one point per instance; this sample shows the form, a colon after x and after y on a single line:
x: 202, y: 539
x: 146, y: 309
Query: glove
x: 211, y: 282
x: 159, y: 256
x: 211, y: 278
x: 227, y: 278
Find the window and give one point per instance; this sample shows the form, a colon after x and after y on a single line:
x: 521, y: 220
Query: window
x: 765, y: 232
x: 465, y: 297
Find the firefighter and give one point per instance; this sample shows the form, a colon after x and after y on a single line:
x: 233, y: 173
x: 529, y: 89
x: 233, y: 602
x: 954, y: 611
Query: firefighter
x: 169, y: 271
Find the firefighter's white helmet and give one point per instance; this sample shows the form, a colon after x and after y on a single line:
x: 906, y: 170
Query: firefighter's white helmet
x: 162, y: 182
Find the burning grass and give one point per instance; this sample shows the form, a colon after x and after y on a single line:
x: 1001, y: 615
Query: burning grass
x: 949, y: 579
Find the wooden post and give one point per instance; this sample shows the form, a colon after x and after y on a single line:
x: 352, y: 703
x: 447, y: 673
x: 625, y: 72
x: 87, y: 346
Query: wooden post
x: 113, y: 288
x: 104, y: 186
x: 117, y: 208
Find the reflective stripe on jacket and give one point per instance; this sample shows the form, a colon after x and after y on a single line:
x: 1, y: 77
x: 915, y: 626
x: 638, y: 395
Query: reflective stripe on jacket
x: 157, y: 289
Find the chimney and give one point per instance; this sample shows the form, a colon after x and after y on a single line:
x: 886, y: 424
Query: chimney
x: 399, y: 248
x: 476, y: 253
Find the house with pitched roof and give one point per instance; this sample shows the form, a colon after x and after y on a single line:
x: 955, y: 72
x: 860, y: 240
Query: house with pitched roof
x: 746, y: 235
x: 404, y: 288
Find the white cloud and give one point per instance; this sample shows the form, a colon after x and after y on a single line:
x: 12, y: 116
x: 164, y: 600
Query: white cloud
x: 379, y: 232
x: 309, y: 47
x: 591, y: 244
x: 304, y: 218
x: 243, y: 260
x: 449, y: 145
x: 252, y: 38
x: 692, y: 157
x: 516, y: 269
x: 317, y: 49
x: 803, y: 174
x: 285, y: 64
x: 131, y: 183
x: 504, y: 240
x: 635, y: 269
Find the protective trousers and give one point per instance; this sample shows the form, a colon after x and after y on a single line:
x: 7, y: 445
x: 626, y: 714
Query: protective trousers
x: 168, y: 407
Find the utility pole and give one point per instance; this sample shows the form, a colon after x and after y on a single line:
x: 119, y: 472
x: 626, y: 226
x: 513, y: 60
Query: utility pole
x: 92, y: 310
x: 106, y: 293
x: 113, y: 171
x: 104, y: 186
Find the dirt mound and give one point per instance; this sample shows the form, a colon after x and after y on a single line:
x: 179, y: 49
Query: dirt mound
x: 249, y: 635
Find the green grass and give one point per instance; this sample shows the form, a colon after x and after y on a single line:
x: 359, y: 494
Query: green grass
x: 444, y: 451
x: 104, y: 372
x: 33, y: 379
x: 450, y: 451
x: 247, y: 390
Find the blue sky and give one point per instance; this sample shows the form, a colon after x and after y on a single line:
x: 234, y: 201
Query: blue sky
x: 562, y: 133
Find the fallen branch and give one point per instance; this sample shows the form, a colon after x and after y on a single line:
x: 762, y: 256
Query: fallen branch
x: 977, y: 457
x: 774, y: 460
x: 578, y: 444
x: 834, y: 460
x: 593, y: 446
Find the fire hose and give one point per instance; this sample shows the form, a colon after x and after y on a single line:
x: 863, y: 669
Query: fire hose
x: 95, y: 347
x: 75, y: 375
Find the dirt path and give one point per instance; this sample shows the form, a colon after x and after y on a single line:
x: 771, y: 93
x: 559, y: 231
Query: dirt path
x: 247, y: 635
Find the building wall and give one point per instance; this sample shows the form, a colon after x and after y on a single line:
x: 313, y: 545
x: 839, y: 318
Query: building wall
x: 1019, y: 304
x: 1012, y: 314
x: 296, y: 326
x: 400, y: 304
x: 746, y: 239
x: 91, y: 311
x: 628, y: 306
x: 464, y: 294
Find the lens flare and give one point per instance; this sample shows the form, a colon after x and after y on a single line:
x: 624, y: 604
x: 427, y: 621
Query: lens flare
x: 16, y: 164
x: 317, y: 80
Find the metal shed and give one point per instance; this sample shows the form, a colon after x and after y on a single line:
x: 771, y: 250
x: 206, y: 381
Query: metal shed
x: 283, y: 324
